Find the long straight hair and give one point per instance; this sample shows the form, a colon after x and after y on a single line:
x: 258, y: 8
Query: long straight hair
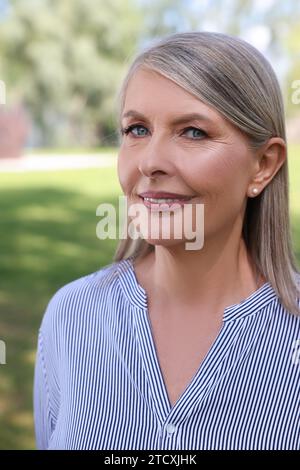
x: 232, y: 76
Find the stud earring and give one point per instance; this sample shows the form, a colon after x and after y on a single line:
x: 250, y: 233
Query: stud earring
x: 255, y: 190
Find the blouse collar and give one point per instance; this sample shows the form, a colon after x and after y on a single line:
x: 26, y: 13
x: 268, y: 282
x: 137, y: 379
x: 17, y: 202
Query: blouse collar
x: 137, y: 295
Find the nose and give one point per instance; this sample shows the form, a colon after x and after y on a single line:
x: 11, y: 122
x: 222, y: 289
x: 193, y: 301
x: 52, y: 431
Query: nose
x: 156, y: 159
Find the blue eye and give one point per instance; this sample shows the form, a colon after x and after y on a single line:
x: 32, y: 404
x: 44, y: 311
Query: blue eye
x: 129, y: 130
x: 200, y: 134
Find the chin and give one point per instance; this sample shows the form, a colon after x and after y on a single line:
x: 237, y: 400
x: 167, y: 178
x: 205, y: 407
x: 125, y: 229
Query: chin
x: 165, y: 242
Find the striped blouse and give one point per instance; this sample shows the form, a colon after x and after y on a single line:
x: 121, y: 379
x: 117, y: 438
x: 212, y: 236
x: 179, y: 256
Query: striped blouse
x: 98, y: 382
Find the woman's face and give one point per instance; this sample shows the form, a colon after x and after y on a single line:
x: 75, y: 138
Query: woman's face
x: 205, y: 157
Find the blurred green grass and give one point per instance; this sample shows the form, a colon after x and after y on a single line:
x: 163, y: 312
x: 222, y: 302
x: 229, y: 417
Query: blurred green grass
x: 47, y: 239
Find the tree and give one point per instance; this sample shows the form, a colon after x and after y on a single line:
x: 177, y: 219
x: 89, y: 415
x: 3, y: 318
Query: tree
x: 64, y: 60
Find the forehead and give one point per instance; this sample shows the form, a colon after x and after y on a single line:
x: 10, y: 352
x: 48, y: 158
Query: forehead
x: 151, y: 93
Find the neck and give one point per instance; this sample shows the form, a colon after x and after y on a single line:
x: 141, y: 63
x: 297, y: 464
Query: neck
x: 218, y: 275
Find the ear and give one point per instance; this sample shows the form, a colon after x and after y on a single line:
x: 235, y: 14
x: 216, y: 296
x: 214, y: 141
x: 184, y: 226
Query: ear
x: 269, y: 159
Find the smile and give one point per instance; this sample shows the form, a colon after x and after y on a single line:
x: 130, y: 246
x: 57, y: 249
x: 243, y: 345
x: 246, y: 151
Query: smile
x: 164, y: 204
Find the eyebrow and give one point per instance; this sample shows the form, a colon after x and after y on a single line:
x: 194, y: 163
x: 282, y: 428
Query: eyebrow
x: 179, y: 120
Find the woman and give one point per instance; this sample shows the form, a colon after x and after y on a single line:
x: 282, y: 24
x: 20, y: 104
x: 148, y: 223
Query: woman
x: 172, y: 348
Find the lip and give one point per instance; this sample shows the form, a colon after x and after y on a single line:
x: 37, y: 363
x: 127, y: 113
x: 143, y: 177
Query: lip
x: 179, y: 201
x: 163, y: 194
x: 165, y: 206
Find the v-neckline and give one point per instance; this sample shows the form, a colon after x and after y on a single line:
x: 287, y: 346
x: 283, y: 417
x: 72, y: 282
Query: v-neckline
x: 137, y: 295
x: 205, y: 375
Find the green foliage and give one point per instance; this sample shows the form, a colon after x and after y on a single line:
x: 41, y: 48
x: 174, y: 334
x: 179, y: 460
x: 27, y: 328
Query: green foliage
x: 65, y: 60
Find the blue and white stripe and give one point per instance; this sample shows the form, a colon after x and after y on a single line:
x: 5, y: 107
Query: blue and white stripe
x: 98, y: 383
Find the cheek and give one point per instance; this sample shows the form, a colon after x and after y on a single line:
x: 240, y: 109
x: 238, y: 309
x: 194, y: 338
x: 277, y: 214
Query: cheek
x: 125, y: 173
x: 220, y: 175
x: 121, y: 172
x: 209, y: 179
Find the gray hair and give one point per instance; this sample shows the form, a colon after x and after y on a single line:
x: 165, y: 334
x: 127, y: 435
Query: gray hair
x: 232, y: 76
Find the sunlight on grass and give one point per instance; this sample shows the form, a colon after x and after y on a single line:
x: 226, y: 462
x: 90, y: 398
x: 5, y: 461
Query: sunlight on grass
x: 29, y: 357
x: 48, y: 239
x: 22, y: 420
x: 41, y: 213
x: 6, y: 382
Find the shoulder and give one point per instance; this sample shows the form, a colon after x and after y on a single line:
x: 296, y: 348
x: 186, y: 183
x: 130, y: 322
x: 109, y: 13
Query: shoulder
x: 79, y: 296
